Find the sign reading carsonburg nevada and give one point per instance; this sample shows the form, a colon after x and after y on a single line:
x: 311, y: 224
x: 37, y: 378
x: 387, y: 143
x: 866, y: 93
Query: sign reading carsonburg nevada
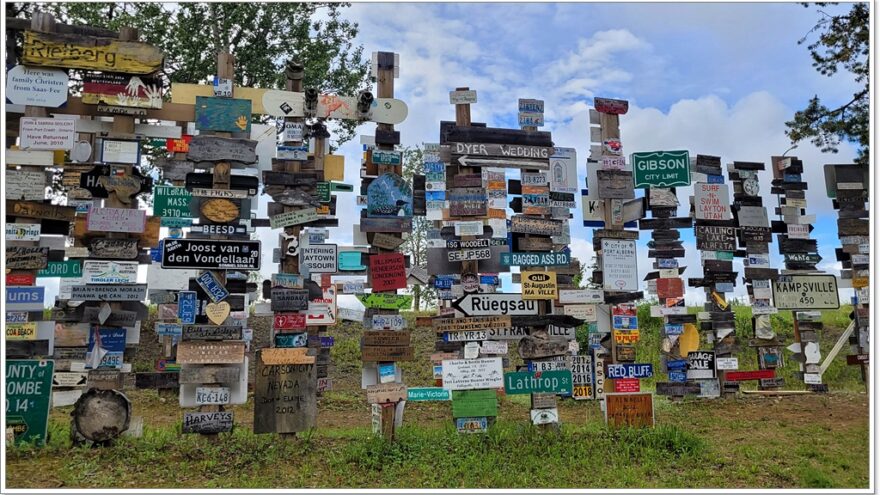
x: 211, y: 255
x: 661, y: 169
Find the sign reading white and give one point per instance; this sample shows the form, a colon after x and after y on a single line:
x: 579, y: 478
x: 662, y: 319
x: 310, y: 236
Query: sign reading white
x: 47, y: 134
x: 619, y: 265
x: 711, y: 201
x: 471, y: 374
x: 116, y: 220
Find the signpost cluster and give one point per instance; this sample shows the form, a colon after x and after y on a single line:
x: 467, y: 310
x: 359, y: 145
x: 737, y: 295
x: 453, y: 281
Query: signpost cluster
x: 847, y: 185
x: 754, y: 235
x: 801, y: 288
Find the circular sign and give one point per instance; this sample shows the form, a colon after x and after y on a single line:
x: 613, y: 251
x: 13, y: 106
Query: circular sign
x: 81, y: 152
x: 470, y: 282
x: 751, y: 187
x: 219, y: 210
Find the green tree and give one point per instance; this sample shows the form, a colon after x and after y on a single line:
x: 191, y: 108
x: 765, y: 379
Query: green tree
x: 416, y: 245
x: 843, y: 43
x: 262, y: 37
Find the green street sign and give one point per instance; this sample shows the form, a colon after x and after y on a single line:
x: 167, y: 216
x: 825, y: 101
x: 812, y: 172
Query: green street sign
x: 28, y: 389
x: 474, y: 403
x: 427, y: 394
x: 63, y: 269
x: 340, y: 187
x: 802, y: 258
x: 170, y: 201
x: 661, y: 169
x: 324, y: 192
x: 385, y: 301
x: 538, y: 382
x: 380, y: 157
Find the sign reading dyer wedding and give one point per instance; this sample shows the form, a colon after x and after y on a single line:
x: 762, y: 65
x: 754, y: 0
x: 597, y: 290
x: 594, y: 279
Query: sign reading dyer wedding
x: 211, y: 255
x: 661, y: 169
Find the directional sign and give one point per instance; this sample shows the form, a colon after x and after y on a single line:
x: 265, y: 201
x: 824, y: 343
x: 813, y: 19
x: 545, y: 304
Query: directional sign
x: 806, y: 292
x: 496, y: 304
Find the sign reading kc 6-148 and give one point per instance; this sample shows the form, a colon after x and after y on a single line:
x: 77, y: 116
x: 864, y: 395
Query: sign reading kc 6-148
x: 211, y: 255
x: 661, y: 169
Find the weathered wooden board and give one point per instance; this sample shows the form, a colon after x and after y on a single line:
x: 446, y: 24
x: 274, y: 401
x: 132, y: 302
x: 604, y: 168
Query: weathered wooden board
x: 285, y: 397
x: 386, y: 338
x: 197, y: 352
x: 209, y: 374
x: 388, y: 353
x: 74, y: 51
x: 33, y: 209
x: 215, y: 148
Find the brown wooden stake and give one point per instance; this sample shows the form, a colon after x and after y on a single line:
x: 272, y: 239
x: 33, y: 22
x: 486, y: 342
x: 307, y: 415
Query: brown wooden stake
x: 610, y: 129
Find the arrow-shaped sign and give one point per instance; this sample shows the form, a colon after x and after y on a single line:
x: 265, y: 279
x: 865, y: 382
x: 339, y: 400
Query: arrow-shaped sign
x: 467, y: 161
x: 496, y: 304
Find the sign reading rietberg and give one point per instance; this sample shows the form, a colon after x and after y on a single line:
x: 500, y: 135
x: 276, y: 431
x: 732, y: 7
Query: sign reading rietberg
x: 619, y: 265
x: 28, y: 388
x: 74, y: 51
x: 661, y: 169
x: 806, y: 292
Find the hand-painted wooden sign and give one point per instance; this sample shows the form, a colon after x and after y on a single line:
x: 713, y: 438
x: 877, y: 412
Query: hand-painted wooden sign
x: 633, y: 410
x: 611, y: 106
x: 35, y: 86
x: 33, y: 209
x: 470, y: 374
x: 208, y: 422
x: 387, y: 272
x: 211, y: 255
x: 116, y: 220
x: 122, y: 90
x: 661, y: 169
x: 199, y: 352
x: 73, y: 51
x: 124, y: 249
x: 389, y: 196
x: 535, y: 225
x: 711, y: 201
x: 806, y: 292
x: 26, y: 258
x: 215, y: 148
x: 467, y: 201
x: 222, y: 114
x: 25, y: 185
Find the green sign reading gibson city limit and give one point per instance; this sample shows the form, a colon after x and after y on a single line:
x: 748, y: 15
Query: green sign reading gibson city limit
x: 661, y: 169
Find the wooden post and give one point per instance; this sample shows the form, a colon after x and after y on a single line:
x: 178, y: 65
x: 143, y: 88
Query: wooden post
x: 610, y: 129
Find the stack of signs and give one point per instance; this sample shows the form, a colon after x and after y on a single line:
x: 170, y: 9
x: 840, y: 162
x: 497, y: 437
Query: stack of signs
x: 612, y: 204
x: 754, y: 236
x: 848, y: 186
x: 207, y: 270
x: 801, y: 288
x: 391, y: 203
x: 716, y: 239
x: 659, y: 173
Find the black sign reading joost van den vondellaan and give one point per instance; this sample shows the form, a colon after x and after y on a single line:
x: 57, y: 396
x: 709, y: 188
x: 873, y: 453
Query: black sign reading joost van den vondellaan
x: 211, y: 255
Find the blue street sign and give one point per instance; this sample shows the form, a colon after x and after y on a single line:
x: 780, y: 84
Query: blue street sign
x: 630, y: 370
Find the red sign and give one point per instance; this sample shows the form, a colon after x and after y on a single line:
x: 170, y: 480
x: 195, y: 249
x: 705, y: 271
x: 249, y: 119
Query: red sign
x: 387, y: 272
x: 670, y: 287
x: 289, y: 321
x: 626, y: 385
x: 20, y: 279
x: 608, y: 105
x: 852, y: 359
x: 623, y: 310
x: 178, y: 145
x: 738, y: 376
x: 326, y: 280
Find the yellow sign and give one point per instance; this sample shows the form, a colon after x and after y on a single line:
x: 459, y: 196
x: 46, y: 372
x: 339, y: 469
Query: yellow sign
x: 334, y: 167
x: 689, y: 340
x: 625, y: 336
x: 859, y: 282
x: 21, y: 331
x: 73, y: 51
x: 539, y: 285
x: 185, y: 93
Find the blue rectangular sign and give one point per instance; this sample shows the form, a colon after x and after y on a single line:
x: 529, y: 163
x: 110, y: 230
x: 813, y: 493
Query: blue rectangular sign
x: 215, y: 290
x: 187, y: 306
x: 674, y: 329
x: 25, y: 298
x: 443, y: 282
x: 112, y: 345
x: 288, y: 340
x: 489, y: 279
x: 677, y: 370
x: 625, y: 322
x: 629, y: 370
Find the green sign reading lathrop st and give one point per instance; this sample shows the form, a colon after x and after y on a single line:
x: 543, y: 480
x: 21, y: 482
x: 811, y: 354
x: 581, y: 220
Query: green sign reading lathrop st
x: 661, y: 169
x: 538, y: 382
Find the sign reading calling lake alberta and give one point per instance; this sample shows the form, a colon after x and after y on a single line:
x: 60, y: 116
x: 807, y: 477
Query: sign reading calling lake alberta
x: 661, y: 169
x: 211, y: 255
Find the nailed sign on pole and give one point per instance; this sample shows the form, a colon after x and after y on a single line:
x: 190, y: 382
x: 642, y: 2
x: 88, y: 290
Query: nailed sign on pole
x: 387, y: 272
x: 806, y: 292
x: 711, y: 201
x: 469, y: 374
x: 619, y: 265
x: 661, y: 169
x: 47, y: 134
x: 629, y: 409
x: 319, y: 258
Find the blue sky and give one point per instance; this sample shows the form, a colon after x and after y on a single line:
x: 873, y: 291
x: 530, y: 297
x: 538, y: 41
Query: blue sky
x: 718, y: 79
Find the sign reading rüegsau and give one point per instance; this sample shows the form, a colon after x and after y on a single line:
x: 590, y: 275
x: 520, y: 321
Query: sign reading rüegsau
x: 211, y: 255
x: 661, y: 169
x: 73, y: 51
x: 496, y: 304
x: 806, y: 292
